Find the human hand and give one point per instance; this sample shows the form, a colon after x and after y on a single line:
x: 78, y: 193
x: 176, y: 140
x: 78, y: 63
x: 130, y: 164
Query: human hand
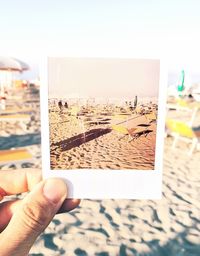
x: 22, y: 221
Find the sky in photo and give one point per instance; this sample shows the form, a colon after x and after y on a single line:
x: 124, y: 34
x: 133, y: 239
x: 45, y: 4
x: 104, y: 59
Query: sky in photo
x: 90, y: 77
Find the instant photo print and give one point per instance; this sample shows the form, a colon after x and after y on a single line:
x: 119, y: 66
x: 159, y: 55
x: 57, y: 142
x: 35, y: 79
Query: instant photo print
x: 103, y: 125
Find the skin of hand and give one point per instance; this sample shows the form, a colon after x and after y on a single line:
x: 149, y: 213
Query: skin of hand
x: 22, y: 221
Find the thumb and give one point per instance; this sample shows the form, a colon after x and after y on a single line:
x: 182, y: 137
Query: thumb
x: 33, y: 216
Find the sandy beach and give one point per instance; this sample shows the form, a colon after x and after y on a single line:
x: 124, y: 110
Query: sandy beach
x: 96, y: 138
x: 126, y: 227
x: 21, y: 133
x: 131, y: 227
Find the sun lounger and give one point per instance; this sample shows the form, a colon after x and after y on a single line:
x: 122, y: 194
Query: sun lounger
x: 137, y: 120
x: 23, y: 119
x: 32, y: 103
x: 15, y: 156
x: 120, y: 116
x: 16, y: 110
x: 20, y: 103
x: 142, y: 131
x: 133, y: 133
x: 121, y: 129
x: 190, y: 107
x: 74, y: 111
x: 134, y: 126
x: 182, y: 131
x: 151, y: 117
x: 15, y: 117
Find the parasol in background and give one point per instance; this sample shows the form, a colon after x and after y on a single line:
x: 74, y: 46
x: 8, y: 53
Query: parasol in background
x: 23, y: 66
x: 9, y: 65
x: 181, y: 85
x: 12, y: 64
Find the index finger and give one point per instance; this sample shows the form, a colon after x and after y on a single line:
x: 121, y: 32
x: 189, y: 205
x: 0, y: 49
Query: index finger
x: 19, y: 181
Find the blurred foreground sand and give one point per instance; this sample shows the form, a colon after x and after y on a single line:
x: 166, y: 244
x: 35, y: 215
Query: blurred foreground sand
x: 170, y: 226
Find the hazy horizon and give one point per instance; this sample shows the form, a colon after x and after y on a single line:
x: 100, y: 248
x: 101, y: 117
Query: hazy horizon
x: 98, y: 77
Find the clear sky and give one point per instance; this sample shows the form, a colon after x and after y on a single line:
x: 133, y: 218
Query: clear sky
x: 108, y: 78
x: 109, y: 28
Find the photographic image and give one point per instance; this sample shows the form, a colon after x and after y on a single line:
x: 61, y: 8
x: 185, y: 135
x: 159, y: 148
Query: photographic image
x: 102, y: 113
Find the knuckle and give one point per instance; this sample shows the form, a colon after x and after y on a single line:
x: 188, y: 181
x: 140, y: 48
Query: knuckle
x: 36, y: 216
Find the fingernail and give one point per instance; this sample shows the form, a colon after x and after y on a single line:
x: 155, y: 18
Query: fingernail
x: 55, y: 190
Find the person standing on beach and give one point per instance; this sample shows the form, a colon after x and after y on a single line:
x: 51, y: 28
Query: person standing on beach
x: 60, y: 105
x: 130, y: 106
x: 135, y: 101
x: 66, y: 105
x: 22, y: 221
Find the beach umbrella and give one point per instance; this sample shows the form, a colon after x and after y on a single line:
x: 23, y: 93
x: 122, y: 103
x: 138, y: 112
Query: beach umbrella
x: 12, y: 64
x: 24, y: 66
x: 181, y: 86
x: 9, y: 65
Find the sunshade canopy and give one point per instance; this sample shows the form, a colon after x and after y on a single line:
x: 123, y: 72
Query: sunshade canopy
x: 12, y: 64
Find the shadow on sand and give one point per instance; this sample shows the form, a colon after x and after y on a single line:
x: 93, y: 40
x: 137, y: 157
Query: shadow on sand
x: 81, y: 138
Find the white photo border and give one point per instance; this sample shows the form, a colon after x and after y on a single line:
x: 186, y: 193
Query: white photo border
x: 107, y: 184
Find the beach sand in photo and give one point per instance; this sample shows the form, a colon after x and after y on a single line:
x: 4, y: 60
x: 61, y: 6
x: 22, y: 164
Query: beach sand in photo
x: 102, y: 136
